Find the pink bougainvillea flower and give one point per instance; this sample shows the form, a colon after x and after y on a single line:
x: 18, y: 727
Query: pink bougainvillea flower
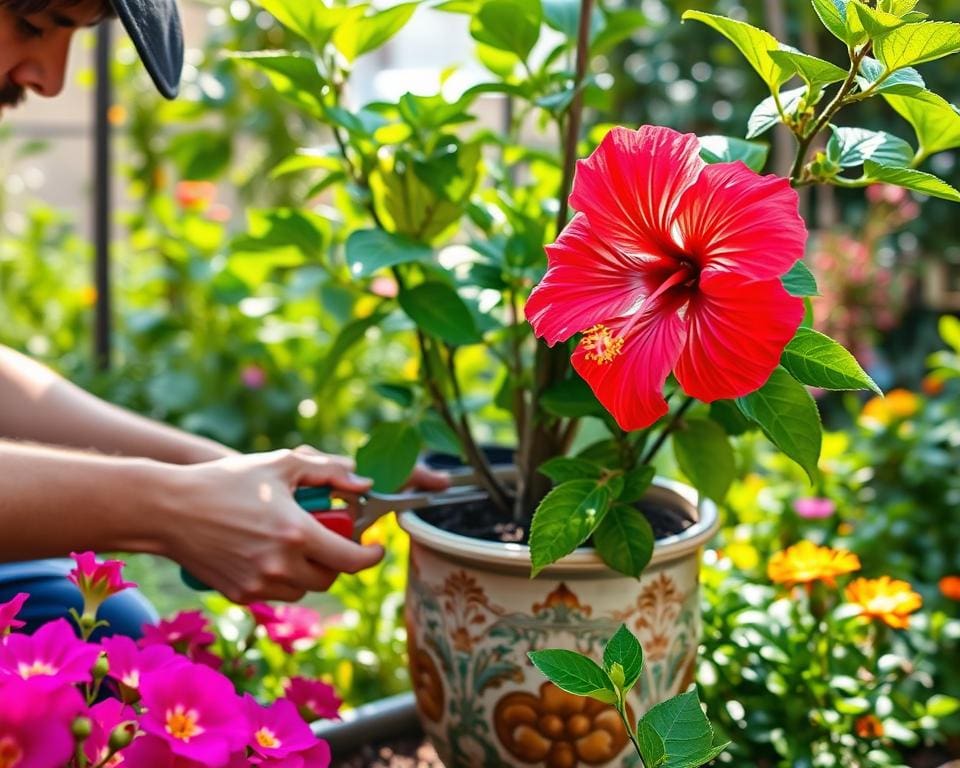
x: 314, y: 698
x: 277, y: 731
x: 814, y: 508
x: 108, y: 716
x: 97, y: 579
x: 53, y: 651
x: 671, y: 265
x: 128, y: 663
x: 288, y: 624
x: 9, y: 611
x: 186, y: 632
x: 196, y: 711
x: 35, y: 722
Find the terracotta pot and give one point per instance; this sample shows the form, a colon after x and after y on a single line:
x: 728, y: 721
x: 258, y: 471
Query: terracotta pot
x: 472, y: 613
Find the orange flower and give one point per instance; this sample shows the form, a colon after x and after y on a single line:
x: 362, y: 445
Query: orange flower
x: 868, y: 727
x: 805, y: 562
x: 950, y: 587
x: 899, y: 404
x: 932, y: 384
x: 888, y: 600
x: 195, y: 195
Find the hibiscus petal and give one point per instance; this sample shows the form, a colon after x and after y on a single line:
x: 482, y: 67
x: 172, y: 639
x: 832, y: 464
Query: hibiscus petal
x: 629, y: 188
x: 585, y: 284
x: 734, y: 220
x: 630, y: 385
x: 736, y: 332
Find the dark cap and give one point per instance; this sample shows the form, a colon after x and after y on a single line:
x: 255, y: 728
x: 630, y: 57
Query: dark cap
x: 154, y: 27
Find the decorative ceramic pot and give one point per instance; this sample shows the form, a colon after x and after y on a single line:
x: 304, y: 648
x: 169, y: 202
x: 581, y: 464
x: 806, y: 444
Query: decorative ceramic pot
x: 473, y: 612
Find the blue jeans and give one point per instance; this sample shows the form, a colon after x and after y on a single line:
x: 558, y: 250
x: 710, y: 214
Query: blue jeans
x: 52, y: 596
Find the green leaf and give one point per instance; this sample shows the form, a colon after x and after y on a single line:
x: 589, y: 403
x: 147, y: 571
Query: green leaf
x: 918, y: 181
x: 765, y: 115
x: 941, y: 706
x: 369, y: 250
x: 898, y: 7
x: 705, y: 456
x: 201, y: 155
x: 726, y: 149
x: 564, y: 16
x: 565, y: 519
x: 916, y: 43
x: 574, y: 673
x: 865, y: 22
x: 562, y: 468
x: 652, y: 749
x: 815, y: 72
x: 788, y: 416
x: 313, y: 21
x: 685, y: 731
x: 635, y: 484
x: 624, y: 649
x: 349, y: 336
x: 571, y: 398
x: 439, y: 311
x: 876, y: 77
x: 949, y: 328
x: 620, y: 25
x: 401, y: 394
x: 292, y: 75
x: 389, y: 456
x: 799, y: 281
x: 833, y: 14
x: 819, y: 361
x: 755, y: 45
x: 359, y: 35
x: 624, y: 540
x: 849, y: 147
x: 508, y: 25
x: 934, y: 119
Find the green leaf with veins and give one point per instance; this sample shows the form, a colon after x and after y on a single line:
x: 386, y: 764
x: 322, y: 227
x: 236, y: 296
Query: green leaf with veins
x: 819, y: 361
x: 815, y: 72
x: 726, y: 149
x: 918, y: 181
x: 624, y: 649
x: 766, y: 115
x: 574, y: 673
x: 916, y: 43
x: 901, y: 81
x: 851, y: 147
x: 934, y: 119
x: 565, y: 519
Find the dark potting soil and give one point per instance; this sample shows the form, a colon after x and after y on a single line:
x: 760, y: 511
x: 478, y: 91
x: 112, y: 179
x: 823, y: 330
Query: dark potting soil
x: 481, y: 520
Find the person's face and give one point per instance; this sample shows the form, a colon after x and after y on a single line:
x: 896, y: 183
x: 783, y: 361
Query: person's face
x: 34, y: 47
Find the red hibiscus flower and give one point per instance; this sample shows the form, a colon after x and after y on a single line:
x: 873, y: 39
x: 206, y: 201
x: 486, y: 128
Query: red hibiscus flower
x: 671, y: 265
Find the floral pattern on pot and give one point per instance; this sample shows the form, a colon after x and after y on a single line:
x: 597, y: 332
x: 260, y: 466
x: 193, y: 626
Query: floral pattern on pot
x: 475, y: 625
x: 558, y: 729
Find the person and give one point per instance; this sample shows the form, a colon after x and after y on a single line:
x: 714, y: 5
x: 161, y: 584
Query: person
x: 77, y: 473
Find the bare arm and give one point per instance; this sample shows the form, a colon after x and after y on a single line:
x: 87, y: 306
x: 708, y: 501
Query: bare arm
x: 38, y: 405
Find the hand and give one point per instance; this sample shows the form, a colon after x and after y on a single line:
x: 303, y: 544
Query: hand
x: 421, y: 479
x: 234, y: 525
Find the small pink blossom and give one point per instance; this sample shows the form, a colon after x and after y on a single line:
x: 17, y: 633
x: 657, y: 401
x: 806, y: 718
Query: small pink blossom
x: 814, y: 508
x: 97, y: 580
x: 187, y: 633
x: 53, y: 651
x: 253, y: 377
x: 288, y: 624
x: 9, y: 611
x: 277, y: 731
x: 128, y: 663
x: 314, y: 698
x: 107, y: 716
x: 35, y: 722
x: 385, y: 287
x: 195, y: 711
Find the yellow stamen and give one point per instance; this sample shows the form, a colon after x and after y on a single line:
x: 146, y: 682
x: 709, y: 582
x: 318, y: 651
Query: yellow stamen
x: 10, y: 753
x: 602, y: 345
x: 182, y: 723
x: 266, y: 738
x: 37, y: 668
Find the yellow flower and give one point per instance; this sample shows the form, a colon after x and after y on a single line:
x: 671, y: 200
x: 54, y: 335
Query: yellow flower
x: 899, y: 404
x: 888, y: 600
x: 805, y: 562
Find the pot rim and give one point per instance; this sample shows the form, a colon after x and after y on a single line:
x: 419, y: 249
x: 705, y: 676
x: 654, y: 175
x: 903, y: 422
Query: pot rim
x: 515, y: 556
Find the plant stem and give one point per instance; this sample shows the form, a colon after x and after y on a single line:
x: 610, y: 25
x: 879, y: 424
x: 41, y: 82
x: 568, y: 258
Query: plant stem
x: 671, y: 426
x: 622, y: 711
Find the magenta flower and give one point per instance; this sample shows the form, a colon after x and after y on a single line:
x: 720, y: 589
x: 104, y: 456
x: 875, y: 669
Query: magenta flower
x: 288, y: 624
x: 314, y: 698
x: 672, y: 265
x: 9, y: 611
x: 53, y: 651
x: 187, y: 633
x: 108, y: 716
x: 812, y: 508
x: 97, y: 580
x: 277, y: 731
x: 253, y: 376
x: 196, y: 711
x: 35, y: 720
x: 128, y: 663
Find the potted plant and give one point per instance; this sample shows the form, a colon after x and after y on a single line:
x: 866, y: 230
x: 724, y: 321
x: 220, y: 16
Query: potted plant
x: 680, y: 272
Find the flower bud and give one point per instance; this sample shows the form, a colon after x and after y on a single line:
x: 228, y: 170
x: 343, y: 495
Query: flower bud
x: 122, y: 735
x: 617, y: 675
x: 101, y: 667
x: 81, y: 728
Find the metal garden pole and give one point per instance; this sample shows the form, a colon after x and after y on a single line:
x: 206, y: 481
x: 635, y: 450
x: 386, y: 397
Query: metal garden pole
x: 101, y: 197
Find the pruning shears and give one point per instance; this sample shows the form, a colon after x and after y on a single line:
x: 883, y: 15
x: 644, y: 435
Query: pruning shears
x: 350, y: 518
